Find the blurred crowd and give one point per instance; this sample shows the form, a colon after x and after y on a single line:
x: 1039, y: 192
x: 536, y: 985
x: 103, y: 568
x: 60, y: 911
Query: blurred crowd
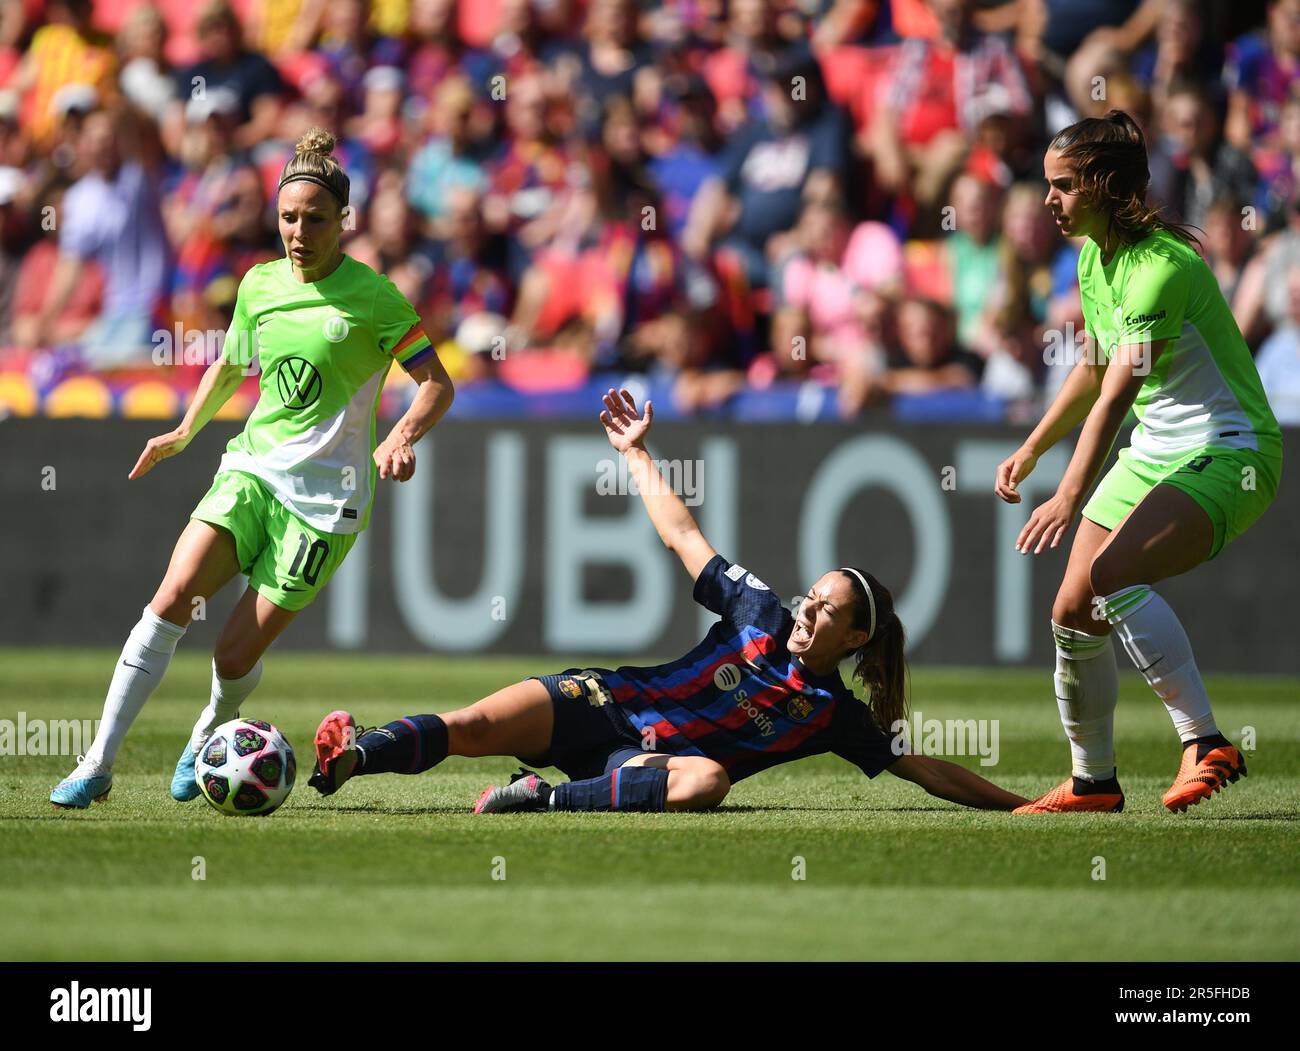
x: 724, y: 195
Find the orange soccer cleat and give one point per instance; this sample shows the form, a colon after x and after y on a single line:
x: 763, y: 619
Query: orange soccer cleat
x: 1077, y: 796
x: 336, y: 752
x: 1206, y: 767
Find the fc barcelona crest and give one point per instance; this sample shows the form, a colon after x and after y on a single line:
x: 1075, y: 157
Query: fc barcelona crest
x: 799, y: 708
x: 570, y: 688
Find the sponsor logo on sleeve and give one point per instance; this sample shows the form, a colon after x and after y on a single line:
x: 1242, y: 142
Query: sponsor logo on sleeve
x: 754, y: 582
x: 736, y: 572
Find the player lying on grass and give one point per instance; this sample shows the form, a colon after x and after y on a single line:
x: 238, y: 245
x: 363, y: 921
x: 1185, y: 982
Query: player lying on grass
x: 295, y: 487
x: 762, y: 688
x: 1203, y: 463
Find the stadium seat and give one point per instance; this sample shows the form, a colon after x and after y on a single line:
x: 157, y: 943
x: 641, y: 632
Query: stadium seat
x: 83, y: 396
x: 17, y: 395
x: 150, y: 400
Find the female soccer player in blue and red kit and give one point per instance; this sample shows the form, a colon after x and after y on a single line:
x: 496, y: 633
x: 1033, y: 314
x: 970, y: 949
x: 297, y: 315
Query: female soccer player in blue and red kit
x: 762, y: 688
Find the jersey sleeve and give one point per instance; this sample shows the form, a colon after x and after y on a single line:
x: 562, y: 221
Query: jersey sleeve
x: 398, y: 327
x: 240, y: 345
x: 859, y: 740
x: 1154, y: 301
x: 734, y: 593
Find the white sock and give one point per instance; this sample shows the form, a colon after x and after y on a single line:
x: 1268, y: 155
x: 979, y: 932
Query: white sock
x: 1157, y: 644
x: 1087, y: 687
x: 223, y: 704
x: 140, y: 669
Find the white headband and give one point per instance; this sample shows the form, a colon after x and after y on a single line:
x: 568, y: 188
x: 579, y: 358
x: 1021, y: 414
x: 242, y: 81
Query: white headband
x: 871, y: 599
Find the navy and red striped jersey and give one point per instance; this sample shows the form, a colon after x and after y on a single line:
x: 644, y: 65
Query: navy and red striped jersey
x: 739, y: 697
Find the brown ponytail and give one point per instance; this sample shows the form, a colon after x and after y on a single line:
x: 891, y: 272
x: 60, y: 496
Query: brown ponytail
x: 880, y: 664
x: 1109, y: 155
x: 312, y: 162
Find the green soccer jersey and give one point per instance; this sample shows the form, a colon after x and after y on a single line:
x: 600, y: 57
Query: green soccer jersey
x: 323, y: 348
x: 1203, y: 390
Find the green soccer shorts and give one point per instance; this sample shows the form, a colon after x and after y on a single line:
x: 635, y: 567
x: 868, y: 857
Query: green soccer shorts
x: 285, y: 559
x: 1234, y: 486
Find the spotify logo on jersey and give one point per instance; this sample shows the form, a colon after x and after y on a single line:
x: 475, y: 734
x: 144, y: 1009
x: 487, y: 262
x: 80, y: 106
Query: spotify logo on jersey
x: 298, y: 382
x: 727, y: 677
x: 336, y: 328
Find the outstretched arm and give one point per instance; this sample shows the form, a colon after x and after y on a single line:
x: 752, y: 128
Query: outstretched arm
x: 954, y: 783
x: 394, y: 456
x: 674, y: 523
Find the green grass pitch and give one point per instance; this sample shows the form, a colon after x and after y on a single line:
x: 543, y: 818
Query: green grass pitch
x: 397, y: 868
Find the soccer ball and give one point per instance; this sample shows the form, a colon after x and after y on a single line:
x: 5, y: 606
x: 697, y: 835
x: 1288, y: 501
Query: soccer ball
x: 246, y: 768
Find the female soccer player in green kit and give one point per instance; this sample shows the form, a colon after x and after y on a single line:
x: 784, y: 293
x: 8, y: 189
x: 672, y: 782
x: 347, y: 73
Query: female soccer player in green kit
x: 1203, y: 463
x: 295, y: 487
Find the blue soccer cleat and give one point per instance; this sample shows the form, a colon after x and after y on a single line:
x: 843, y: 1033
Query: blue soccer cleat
x: 184, y: 785
x: 85, y: 785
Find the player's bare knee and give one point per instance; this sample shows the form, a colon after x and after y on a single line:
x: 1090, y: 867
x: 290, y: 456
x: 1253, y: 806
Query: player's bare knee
x: 1073, y: 609
x: 233, y: 661
x: 172, y: 605
x: 468, y: 731
x: 1106, y: 575
x: 703, y: 785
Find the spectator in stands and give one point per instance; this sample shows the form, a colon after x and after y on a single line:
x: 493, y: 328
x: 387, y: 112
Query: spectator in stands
x: 1261, y: 74
x: 612, y: 61
x: 695, y: 155
x: 470, y: 279
x: 735, y: 71
x: 799, y: 149
x: 1263, y: 302
x: 1010, y: 333
x: 226, y: 63
x: 530, y: 179
x: 1229, y: 245
x: 210, y: 265
x: 827, y: 284
x: 348, y: 47
x: 27, y: 326
x: 1279, y: 359
x: 927, y: 357
x: 1164, y: 44
x: 1279, y: 166
x: 64, y: 51
x: 111, y: 215
x: 214, y: 214
x: 146, y: 80
x: 447, y: 159
x: 974, y: 253
x: 1204, y: 168
x: 16, y: 237
x: 1185, y: 49
x: 434, y: 48
x: 941, y: 90
x: 379, y: 124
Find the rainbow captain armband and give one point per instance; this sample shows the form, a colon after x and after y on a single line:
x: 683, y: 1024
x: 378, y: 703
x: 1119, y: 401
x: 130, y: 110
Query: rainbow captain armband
x: 413, y: 349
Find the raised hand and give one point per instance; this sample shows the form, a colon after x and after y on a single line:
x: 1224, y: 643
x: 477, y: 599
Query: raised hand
x: 623, y: 426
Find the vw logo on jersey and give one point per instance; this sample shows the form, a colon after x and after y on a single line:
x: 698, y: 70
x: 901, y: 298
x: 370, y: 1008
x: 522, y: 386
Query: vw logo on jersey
x: 336, y: 328
x: 298, y: 382
x: 727, y: 677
